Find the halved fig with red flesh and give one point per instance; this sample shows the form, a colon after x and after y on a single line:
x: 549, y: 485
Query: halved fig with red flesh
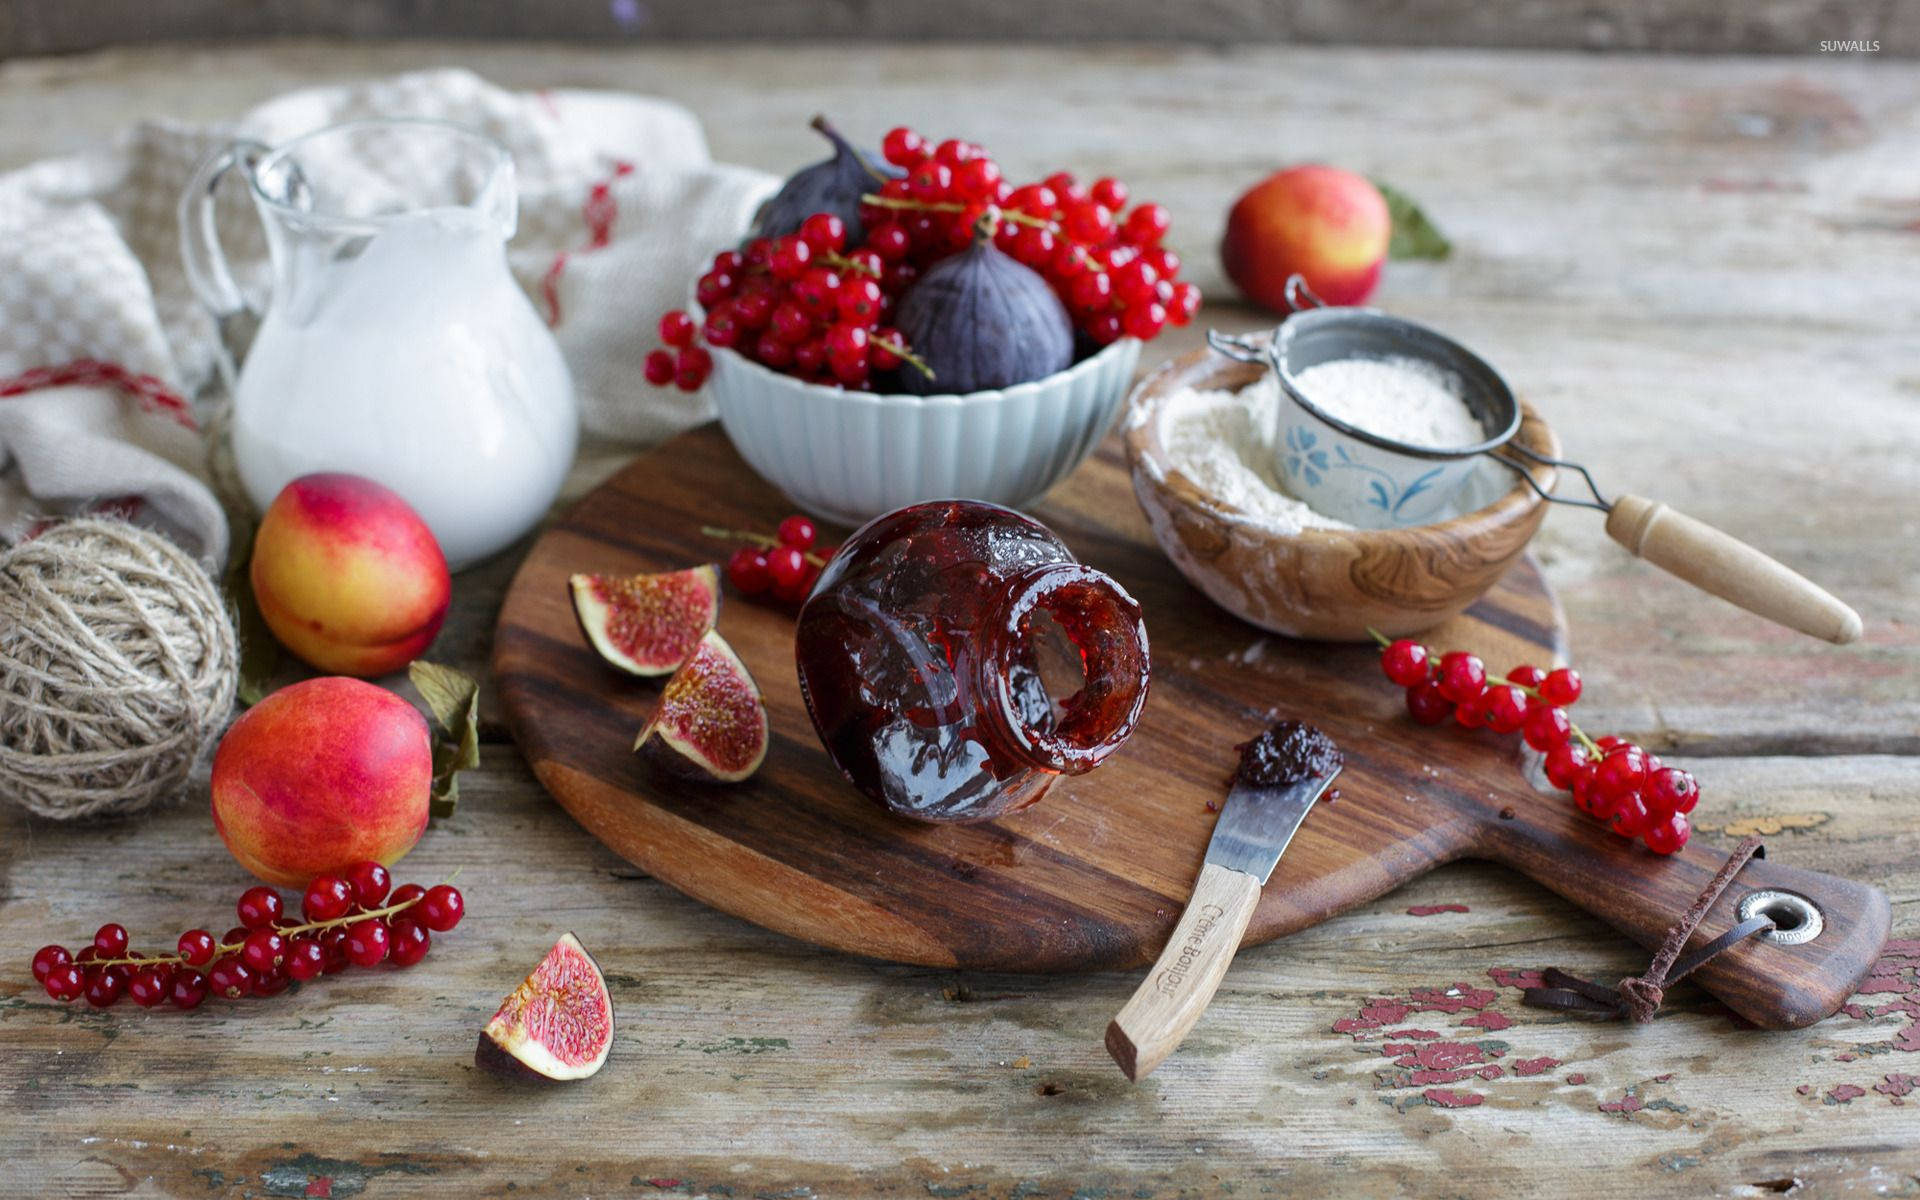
x: 557, y: 1025
x: 710, y: 724
x: 647, y: 624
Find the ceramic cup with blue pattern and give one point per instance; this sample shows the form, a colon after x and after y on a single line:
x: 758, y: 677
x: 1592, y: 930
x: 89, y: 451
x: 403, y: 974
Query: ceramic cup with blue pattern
x: 1355, y: 475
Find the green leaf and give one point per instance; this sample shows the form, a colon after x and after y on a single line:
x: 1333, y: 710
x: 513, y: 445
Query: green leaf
x: 454, y: 699
x: 1414, y: 236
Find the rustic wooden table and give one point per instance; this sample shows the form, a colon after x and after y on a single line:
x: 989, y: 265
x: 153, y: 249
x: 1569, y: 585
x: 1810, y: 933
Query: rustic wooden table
x: 1704, y: 271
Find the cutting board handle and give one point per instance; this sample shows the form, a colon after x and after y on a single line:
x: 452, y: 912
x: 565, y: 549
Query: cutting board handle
x: 1770, y: 983
x: 1188, y: 972
x: 1722, y: 564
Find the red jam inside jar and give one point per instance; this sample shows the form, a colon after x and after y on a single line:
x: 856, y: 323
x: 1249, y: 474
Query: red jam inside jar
x: 956, y: 659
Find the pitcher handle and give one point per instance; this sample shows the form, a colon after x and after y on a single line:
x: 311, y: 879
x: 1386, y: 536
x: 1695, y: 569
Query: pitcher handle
x: 206, y: 264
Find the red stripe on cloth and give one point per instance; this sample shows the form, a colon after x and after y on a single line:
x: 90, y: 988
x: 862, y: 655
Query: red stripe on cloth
x: 148, y: 391
x: 599, y: 213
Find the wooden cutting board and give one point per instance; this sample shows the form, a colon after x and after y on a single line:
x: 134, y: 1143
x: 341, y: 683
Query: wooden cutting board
x: 1095, y: 875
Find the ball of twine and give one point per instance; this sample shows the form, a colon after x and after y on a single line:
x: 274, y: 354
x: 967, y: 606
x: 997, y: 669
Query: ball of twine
x: 118, y: 664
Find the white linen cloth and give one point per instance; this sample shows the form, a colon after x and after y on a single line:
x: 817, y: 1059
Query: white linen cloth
x: 102, y: 346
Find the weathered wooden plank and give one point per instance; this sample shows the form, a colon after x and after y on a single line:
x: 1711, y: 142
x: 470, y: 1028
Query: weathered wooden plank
x: 754, y: 1063
x: 1694, y: 26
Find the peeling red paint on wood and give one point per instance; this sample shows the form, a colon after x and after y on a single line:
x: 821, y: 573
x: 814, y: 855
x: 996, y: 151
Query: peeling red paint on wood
x: 320, y: 1186
x: 1429, y: 910
x: 1490, y: 1021
x: 1534, y: 1066
x: 1845, y: 1093
x: 1576, y: 1079
x: 1897, y: 1084
x: 1515, y: 977
x: 1448, y: 1098
x: 1628, y: 1103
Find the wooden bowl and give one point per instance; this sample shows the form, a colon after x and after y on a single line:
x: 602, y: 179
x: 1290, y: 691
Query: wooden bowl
x: 1322, y: 584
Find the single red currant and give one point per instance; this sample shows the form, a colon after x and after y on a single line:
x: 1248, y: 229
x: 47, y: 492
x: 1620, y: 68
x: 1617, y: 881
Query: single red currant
x: 1109, y: 193
x: 67, y: 982
x: 259, y: 907
x: 1506, y: 707
x: 659, y: 367
x: 110, y: 940
x: 770, y: 350
x: 881, y: 348
x: 1147, y: 224
x: 105, y: 986
x: 978, y: 179
x: 148, y: 987
x: 903, y: 147
x: 1089, y: 224
x: 1105, y: 328
x: 1426, y: 704
x: 333, y: 942
x: 1526, y: 676
x: 327, y: 897
x: 1667, y: 836
x: 930, y: 180
x: 306, y: 959
x: 787, y: 565
x: 676, y: 329
x: 410, y: 942
x: 825, y: 232
x: 747, y: 570
x: 1547, y: 727
x: 797, y: 531
x: 46, y: 959
x: 442, y: 907
x: 1565, y: 763
x: 367, y: 942
x: 1622, y: 771
x: 264, y: 951
x: 860, y: 302
x: 370, y: 882
x: 270, y: 985
x: 1144, y: 321
x: 1185, y: 304
x: 1561, y: 686
x: 1629, y: 817
x: 1672, y: 790
x: 790, y: 257
x: 1405, y: 662
x: 1462, y: 676
x: 1471, y: 714
x: 694, y: 365
x: 890, y: 241
x: 188, y: 990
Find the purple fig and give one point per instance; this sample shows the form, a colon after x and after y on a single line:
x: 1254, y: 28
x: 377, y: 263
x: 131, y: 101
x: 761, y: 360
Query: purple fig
x: 981, y: 320
x: 833, y: 186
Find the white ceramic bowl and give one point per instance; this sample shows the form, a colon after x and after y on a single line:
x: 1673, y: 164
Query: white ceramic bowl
x: 850, y: 456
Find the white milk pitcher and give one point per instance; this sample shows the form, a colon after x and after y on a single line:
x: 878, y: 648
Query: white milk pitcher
x: 395, y: 344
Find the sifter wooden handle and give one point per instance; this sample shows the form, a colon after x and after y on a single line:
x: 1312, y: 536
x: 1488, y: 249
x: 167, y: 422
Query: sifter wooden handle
x: 1724, y: 565
x: 1188, y: 972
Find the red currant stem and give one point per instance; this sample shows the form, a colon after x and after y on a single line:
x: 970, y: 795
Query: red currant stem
x: 223, y: 949
x: 758, y: 539
x: 899, y: 350
x: 841, y: 262
x: 954, y: 206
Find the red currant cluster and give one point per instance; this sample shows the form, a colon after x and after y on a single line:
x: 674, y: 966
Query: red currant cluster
x: 350, y: 921
x: 814, y: 305
x: 1611, y: 779
x: 783, y: 566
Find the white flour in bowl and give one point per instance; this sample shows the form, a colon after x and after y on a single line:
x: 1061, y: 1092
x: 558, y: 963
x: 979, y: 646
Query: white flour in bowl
x: 1224, y: 443
x: 1409, y: 400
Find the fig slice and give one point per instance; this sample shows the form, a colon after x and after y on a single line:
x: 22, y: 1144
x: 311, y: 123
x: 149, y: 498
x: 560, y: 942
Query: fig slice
x: 710, y: 724
x: 647, y: 624
x: 557, y: 1025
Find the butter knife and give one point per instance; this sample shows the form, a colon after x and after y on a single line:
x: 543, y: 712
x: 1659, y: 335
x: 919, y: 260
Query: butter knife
x: 1255, y: 825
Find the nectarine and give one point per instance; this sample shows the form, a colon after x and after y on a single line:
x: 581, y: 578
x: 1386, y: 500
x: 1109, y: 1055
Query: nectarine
x: 1328, y: 225
x: 348, y: 576
x: 319, y: 776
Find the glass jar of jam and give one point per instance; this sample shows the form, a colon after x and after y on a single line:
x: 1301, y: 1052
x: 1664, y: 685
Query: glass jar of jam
x: 956, y: 658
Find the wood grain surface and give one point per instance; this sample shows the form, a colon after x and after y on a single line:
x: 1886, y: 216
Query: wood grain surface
x: 1700, y: 270
x: 1096, y: 874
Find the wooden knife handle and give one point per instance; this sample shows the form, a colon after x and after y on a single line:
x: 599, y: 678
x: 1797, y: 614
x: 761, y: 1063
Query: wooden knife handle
x: 1724, y: 565
x: 1773, y: 985
x: 1188, y: 972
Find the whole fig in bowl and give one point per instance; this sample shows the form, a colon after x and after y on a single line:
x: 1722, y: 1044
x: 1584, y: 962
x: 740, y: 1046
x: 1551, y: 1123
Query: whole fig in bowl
x: 833, y: 185
x: 981, y: 320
